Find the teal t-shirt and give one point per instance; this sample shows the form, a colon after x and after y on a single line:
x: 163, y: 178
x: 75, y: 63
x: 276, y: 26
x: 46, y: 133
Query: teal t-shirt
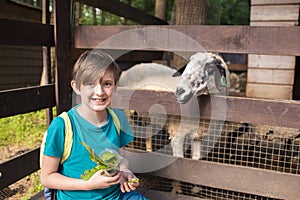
x: 97, y: 138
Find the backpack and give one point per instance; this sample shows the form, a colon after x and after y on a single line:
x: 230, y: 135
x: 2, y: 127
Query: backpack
x: 50, y: 193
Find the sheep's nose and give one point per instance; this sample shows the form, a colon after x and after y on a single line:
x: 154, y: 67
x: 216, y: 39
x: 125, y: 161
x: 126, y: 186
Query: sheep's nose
x: 180, y: 91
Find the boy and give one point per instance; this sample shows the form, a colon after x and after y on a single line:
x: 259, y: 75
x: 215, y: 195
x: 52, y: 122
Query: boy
x: 95, y: 76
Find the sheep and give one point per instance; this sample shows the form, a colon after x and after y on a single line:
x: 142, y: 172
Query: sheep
x: 207, y: 73
x: 211, y: 76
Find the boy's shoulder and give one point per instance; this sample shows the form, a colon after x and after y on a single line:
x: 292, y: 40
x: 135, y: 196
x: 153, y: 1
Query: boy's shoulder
x: 118, y: 112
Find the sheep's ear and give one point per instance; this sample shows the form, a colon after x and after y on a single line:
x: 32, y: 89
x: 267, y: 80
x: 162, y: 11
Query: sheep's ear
x: 220, y: 74
x: 179, y: 72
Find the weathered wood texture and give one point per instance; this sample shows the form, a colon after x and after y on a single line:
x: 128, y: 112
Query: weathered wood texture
x: 20, y: 66
x: 33, y: 34
x: 231, y: 39
x: 274, y: 2
x: 229, y: 177
x: 272, y: 77
x: 271, y: 62
x: 238, y: 109
x: 154, y: 194
x: 16, y: 11
x: 63, y: 62
x: 274, y: 13
x: 18, y: 167
x: 19, y: 101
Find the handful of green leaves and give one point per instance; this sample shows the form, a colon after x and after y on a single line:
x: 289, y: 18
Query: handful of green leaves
x: 108, y: 160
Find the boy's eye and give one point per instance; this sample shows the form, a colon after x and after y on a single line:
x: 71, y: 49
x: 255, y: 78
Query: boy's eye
x: 107, y: 84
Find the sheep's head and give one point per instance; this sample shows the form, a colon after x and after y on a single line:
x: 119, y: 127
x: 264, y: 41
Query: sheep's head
x: 205, y: 73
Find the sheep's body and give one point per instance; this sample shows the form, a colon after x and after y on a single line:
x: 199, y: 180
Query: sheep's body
x: 152, y: 76
x: 158, y: 77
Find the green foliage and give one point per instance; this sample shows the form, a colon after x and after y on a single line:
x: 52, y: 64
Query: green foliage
x: 107, y: 160
x: 25, y: 129
x: 228, y: 12
x: 95, y: 16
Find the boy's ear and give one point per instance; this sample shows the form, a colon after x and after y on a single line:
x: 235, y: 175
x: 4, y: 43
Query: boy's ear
x: 73, y: 85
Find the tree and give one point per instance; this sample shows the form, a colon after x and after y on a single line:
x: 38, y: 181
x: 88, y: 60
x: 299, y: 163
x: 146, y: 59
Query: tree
x: 187, y: 12
x: 161, y: 7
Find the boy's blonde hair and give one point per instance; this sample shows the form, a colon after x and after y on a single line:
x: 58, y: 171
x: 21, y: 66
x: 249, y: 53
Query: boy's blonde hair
x: 92, y: 65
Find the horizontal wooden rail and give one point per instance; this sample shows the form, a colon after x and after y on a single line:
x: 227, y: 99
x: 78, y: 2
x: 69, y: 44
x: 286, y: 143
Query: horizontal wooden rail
x: 238, y: 109
x: 19, y: 167
x: 132, y: 56
x: 24, y: 100
x: 223, y: 176
x: 154, y: 194
x: 20, y: 33
x: 191, y: 38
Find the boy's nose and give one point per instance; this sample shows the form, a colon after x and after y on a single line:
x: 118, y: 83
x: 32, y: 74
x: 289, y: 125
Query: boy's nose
x: 98, y: 89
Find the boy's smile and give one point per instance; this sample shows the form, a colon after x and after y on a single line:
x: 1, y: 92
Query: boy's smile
x: 96, y: 97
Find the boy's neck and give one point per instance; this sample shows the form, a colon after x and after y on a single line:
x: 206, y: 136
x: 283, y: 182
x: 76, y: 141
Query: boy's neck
x: 96, y: 118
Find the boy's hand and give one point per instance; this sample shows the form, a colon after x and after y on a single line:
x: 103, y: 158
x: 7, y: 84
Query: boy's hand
x: 128, y: 181
x: 101, y: 180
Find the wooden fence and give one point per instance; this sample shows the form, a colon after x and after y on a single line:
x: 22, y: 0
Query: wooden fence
x: 69, y: 41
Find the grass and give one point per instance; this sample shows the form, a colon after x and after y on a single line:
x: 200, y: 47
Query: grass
x: 21, y: 133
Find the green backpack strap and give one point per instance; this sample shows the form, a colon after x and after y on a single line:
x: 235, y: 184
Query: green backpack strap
x: 115, y: 120
x: 69, y: 135
x: 67, y: 143
x: 42, y: 148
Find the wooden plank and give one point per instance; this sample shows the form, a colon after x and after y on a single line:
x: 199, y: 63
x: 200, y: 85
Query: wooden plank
x: 125, y: 56
x: 19, y: 167
x: 274, y: 13
x: 15, y: 70
x: 227, y: 39
x: 271, y: 76
x: 20, y: 62
x: 26, y: 100
x: 274, y: 23
x: 32, y: 34
x: 124, y: 10
x: 225, y: 176
x: 238, y: 109
x: 8, y: 52
x: 237, y: 67
x: 154, y: 194
x: 14, y: 10
x: 27, y: 80
x: 271, y: 62
x: 269, y: 91
x: 63, y: 61
x: 274, y: 2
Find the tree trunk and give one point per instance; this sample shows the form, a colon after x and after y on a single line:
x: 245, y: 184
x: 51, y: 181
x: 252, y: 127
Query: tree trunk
x: 190, y: 12
x: 187, y: 12
x: 161, y: 9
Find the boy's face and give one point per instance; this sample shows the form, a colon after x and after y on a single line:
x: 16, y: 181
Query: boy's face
x: 97, y: 96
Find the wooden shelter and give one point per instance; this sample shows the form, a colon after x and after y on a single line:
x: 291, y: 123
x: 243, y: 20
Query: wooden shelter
x: 69, y: 41
x: 273, y: 73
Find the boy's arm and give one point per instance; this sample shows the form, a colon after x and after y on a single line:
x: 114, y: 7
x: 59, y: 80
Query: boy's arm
x: 126, y: 183
x: 51, y: 178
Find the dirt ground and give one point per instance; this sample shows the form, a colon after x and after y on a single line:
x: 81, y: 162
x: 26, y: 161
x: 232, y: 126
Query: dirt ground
x: 23, y: 189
